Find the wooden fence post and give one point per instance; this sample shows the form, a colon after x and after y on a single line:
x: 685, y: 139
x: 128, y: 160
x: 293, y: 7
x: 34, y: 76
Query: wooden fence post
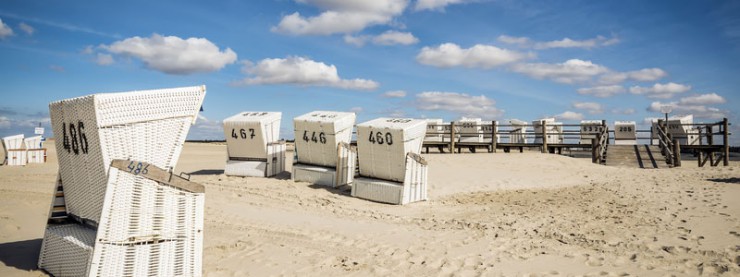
x: 676, y: 153
x: 725, y: 137
x: 493, y: 136
x: 543, y: 123
x: 452, y: 137
x: 594, y: 148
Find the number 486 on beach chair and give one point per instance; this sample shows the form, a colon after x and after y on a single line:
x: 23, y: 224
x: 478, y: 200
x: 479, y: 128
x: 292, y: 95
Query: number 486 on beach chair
x: 117, y: 210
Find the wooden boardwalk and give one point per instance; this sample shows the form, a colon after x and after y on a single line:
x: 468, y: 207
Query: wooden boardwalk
x: 642, y: 156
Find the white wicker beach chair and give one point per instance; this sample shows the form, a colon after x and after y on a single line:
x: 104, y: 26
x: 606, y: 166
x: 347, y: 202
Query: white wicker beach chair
x: 589, y: 130
x: 14, y: 152
x: 34, y: 152
x: 469, y: 130
x: 391, y: 169
x: 435, y: 127
x: 322, y: 145
x: 554, y: 130
x: 518, y: 132
x: 625, y: 133
x: 253, y: 145
x: 111, y: 217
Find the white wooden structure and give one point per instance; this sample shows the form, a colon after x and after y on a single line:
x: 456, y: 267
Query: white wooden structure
x: 253, y: 145
x: 469, y: 130
x: 518, y: 133
x: 14, y: 152
x: 391, y: 169
x: 35, y: 153
x: 322, y: 145
x: 625, y: 133
x: 589, y: 130
x: 117, y: 210
x: 686, y: 134
x: 554, y: 130
x: 435, y: 130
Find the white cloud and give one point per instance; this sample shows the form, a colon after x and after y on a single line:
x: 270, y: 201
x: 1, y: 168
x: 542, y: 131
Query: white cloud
x: 569, y: 116
x: 395, y: 94
x: 174, y: 55
x: 104, y: 59
x: 569, y: 72
x: 598, y: 41
x: 478, y: 56
x: 4, y: 122
x: 602, y: 91
x: 627, y: 111
x: 358, y: 41
x: 340, y: 17
x: 356, y: 109
x: 699, y: 111
x: 395, y: 37
x: 5, y: 30
x: 387, y: 38
x: 436, y: 4
x: 590, y: 107
x: 26, y: 28
x: 459, y: 103
x: 642, y: 75
x: 88, y: 50
x: 704, y: 99
x: 660, y: 91
x: 521, y: 41
x: 300, y: 71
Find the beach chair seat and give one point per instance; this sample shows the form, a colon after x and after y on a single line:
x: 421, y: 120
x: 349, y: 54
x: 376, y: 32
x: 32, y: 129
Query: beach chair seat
x: 323, y: 151
x: 34, y: 152
x: 391, y: 169
x: 116, y: 152
x: 151, y: 226
x: 14, y: 152
x: 253, y: 145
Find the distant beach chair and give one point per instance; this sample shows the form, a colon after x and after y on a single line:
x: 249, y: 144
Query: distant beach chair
x: 34, y: 152
x: 253, y: 145
x: 554, y: 130
x: 680, y: 128
x: 391, y: 169
x: 518, y: 132
x: 589, y: 130
x: 322, y: 145
x: 469, y: 130
x: 14, y: 152
x: 625, y: 133
x: 435, y: 130
x: 117, y: 210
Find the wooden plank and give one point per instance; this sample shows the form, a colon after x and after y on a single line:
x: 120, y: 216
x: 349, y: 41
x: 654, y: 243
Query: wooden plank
x: 544, y: 136
x: 676, y: 153
x: 452, y: 137
x: 157, y: 174
x: 493, y: 136
x: 726, y: 143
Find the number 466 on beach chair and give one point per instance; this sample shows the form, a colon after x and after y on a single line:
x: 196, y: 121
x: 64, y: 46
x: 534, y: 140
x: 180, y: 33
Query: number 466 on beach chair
x: 117, y: 210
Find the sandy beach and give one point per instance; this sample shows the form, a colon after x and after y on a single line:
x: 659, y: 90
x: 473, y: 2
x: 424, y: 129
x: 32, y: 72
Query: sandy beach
x: 502, y: 214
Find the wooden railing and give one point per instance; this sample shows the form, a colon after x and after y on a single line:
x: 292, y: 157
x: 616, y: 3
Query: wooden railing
x: 599, y: 146
x: 668, y: 145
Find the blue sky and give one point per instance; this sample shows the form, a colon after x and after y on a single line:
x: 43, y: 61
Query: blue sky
x: 613, y: 60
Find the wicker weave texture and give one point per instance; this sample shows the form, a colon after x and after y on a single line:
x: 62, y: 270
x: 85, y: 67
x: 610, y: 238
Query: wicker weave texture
x: 413, y: 189
x: 143, y: 125
x: 382, y: 145
x: 67, y: 250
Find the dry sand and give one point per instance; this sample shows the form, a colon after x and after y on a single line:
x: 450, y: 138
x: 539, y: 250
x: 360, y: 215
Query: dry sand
x: 497, y: 214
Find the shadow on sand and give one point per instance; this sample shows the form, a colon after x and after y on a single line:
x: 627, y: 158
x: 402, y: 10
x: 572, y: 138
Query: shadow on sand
x: 22, y: 255
x: 726, y: 180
